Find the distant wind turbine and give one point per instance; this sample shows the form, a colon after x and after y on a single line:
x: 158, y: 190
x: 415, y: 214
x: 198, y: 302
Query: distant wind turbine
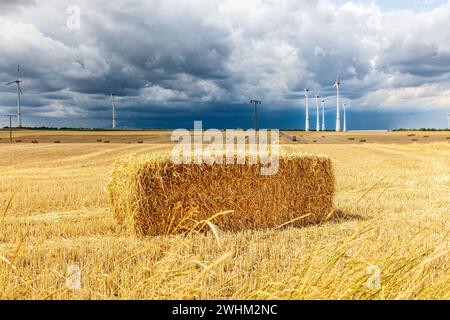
x: 345, y: 117
x: 338, y: 115
x: 448, y: 120
x: 323, y: 115
x: 113, y: 104
x: 307, y: 110
x: 19, y: 93
x: 317, y: 112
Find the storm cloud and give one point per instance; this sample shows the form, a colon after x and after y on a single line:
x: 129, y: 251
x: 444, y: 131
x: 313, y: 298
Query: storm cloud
x: 170, y: 59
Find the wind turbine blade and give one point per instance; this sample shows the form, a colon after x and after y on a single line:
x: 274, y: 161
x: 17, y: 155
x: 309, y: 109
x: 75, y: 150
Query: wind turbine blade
x: 18, y: 70
x: 20, y: 89
x: 10, y: 83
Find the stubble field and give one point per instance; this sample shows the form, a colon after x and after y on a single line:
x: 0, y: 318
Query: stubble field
x: 389, y: 241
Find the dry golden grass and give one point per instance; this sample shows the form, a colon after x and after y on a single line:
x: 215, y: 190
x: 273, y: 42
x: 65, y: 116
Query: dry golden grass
x: 49, y: 177
x: 395, y: 201
x: 151, y: 195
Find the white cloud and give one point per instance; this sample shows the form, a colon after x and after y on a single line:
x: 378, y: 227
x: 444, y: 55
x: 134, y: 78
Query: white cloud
x: 57, y: 109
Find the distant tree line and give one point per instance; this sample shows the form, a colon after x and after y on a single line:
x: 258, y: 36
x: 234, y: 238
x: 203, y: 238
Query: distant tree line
x: 83, y: 129
x: 421, y: 129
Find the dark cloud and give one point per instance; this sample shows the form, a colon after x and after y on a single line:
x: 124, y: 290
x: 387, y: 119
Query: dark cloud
x: 7, y: 6
x: 168, y: 59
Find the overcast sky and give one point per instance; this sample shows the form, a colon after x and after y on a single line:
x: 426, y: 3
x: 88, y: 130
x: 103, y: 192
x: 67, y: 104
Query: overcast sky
x: 173, y: 62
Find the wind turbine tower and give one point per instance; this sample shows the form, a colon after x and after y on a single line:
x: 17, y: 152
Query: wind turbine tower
x: 307, y: 109
x: 317, y: 113
x: 113, y: 104
x: 19, y: 93
x: 338, y: 112
x: 345, y: 117
x: 323, y: 115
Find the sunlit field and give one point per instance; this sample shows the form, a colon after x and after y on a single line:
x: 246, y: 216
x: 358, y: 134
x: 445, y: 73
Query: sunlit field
x: 389, y: 239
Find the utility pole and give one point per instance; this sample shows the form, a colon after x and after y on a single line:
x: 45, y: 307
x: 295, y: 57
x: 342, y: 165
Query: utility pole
x: 255, y: 103
x: 448, y: 120
x: 10, y: 116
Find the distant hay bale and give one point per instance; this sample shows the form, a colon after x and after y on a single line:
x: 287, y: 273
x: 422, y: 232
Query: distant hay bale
x: 34, y: 141
x: 99, y: 140
x: 106, y: 141
x: 150, y: 195
x: 363, y: 140
x: 351, y: 139
x: 57, y: 141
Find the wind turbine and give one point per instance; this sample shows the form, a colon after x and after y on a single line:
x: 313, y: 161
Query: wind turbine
x: 113, y: 104
x: 317, y: 112
x: 323, y: 115
x: 19, y: 93
x: 345, y: 117
x: 307, y: 109
x: 338, y: 113
x: 448, y: 120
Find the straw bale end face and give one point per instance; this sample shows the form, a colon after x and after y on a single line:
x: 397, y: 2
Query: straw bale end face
x: 152, y: 196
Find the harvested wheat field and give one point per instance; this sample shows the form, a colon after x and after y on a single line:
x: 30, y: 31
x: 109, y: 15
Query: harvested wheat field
x: 388, y: 238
